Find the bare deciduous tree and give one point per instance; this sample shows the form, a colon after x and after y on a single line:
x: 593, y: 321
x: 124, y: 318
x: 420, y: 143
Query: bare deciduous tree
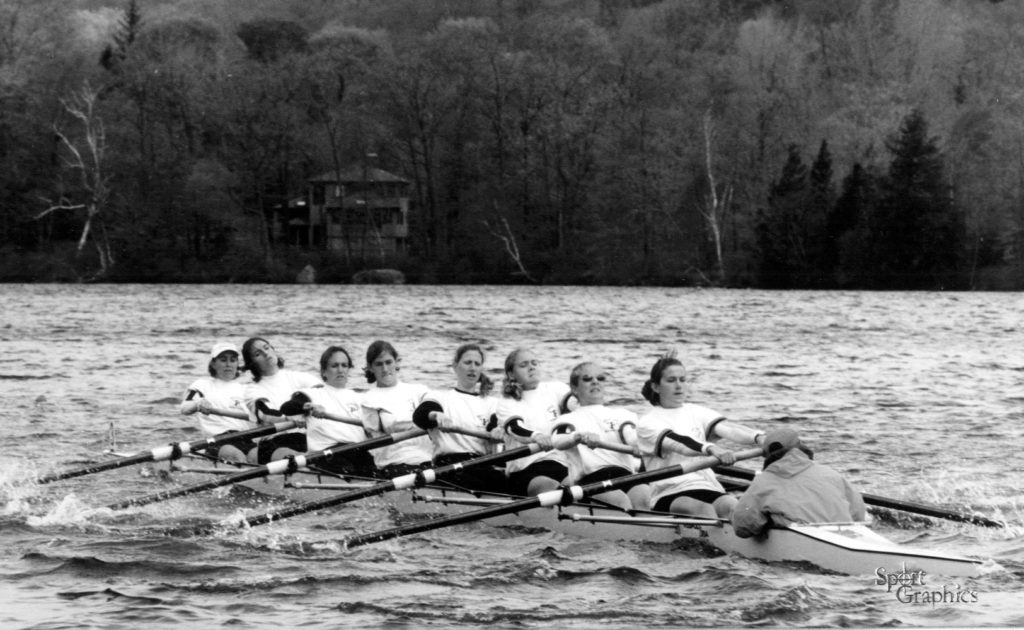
x: 84, y: 156
x: 506, y: 236
x: 715, y: 204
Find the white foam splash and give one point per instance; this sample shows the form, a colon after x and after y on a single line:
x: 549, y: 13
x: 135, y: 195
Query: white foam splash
x: 68, y: 511
x: 16, y: 485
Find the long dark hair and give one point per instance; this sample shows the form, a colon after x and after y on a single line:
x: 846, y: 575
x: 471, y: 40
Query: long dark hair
x: 659, y: 368
x: 249, y: 364
x: 486, y: 384
x: 376, y: 349
x: 330, y: 352
x: 510, y: 387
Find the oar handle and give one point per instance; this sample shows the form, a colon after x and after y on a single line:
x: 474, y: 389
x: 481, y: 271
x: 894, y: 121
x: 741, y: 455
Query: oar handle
x: 228, y: 413
x: 483, y: 435
x: 612, y: 446
x: 570, y: 440
x: 336, y: 418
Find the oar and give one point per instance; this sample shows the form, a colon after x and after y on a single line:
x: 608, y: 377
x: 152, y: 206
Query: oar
x: 412, y: 480
x: 277, y: 467
x: 169, y: 452
x: 228, y: 413
x: 884, y: 502
x: 563, y: 496
x: 335, y: 418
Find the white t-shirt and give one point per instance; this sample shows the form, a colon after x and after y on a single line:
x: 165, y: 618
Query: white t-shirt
x: 606, y: 422
x: 222, y: 395
x: 322, y: 433
x: 388, y: 410
x: 690, y: 420
x: 277, y: 390
x: 538, y: 410
x: 467, y: 411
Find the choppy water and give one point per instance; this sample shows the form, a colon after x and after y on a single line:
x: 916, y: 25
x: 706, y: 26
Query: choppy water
x: 913, y: 395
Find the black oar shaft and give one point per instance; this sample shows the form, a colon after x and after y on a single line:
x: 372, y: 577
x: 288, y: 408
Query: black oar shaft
x: 398, y: 483
x: 168, y: 452
x: 885, y: 502
x: 546, y: 499
x: 276, y: 467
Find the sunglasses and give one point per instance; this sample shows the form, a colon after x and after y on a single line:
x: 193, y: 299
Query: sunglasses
x: 586, y: 378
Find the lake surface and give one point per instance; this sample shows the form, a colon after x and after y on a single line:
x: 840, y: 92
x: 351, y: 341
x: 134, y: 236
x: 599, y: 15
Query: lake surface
x: 915, y: 396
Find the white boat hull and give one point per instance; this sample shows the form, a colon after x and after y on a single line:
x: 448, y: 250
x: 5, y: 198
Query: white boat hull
x: 849, y: 548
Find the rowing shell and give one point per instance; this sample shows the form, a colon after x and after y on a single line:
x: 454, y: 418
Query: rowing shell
x: 849, y: 548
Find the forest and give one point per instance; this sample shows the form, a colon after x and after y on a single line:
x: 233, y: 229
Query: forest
x: 800, y: 144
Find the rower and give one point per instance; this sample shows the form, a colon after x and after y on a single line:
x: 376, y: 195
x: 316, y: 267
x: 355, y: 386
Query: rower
x: 220, y: 390
x: 793, y: 488
x: 272, y: 385
x: 676, y: 430
x: 466, y: 406
x: 388, y: 408
x: 333, y: 398
x: 596, y: 424
x: 526, y: 413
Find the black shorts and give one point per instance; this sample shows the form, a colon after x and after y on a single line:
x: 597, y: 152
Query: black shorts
x: 479, y: 478
x: 397, y: 470
x: 245, y: 445
x: 294, y: 441
x: 606, y: 473
x: 704, y: 496
x: 359, y: 463
x: 519, y: 482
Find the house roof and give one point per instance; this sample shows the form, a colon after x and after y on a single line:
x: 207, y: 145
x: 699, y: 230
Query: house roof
x: 356, y: 174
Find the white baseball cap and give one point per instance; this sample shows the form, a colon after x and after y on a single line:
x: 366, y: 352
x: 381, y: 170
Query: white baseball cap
x: 221, y: 347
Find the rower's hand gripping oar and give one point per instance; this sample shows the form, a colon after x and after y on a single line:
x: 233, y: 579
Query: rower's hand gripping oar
x: 404, y: 482
x: 170, y: 452
x: 277, y: 467
x: 563, y: 496
x: 884, y: 502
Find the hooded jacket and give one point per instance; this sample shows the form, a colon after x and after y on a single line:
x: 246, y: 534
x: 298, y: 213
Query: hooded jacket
x: 795, y: 489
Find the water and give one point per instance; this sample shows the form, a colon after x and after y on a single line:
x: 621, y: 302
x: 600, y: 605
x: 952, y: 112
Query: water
x: 914, y: 396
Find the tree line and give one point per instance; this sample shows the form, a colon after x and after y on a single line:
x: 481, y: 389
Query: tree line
x: 851, y: 144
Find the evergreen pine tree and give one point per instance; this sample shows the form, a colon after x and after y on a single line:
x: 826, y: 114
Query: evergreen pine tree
x: 779, y: 230
x: 919, y: 232
x: 848, y: 227
x: 127, y: 31
x: 818, y: 207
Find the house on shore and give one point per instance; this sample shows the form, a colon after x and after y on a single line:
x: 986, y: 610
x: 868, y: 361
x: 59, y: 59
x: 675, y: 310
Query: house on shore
x: 361, y: 211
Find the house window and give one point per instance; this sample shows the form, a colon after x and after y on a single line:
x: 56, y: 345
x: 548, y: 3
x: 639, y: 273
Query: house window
x: 318, y: 195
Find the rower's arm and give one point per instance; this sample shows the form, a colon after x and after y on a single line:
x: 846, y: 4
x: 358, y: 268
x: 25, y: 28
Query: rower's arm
x: 683, y: 444
x: 737, y: 433
x: 515, y: 428
x: 422, y: 416
x: 627, y: 433
x: 191, y: 403
x: 296, y: 406
x: 749, y: 517
x: 857, y: 510
x: 264, y: 412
